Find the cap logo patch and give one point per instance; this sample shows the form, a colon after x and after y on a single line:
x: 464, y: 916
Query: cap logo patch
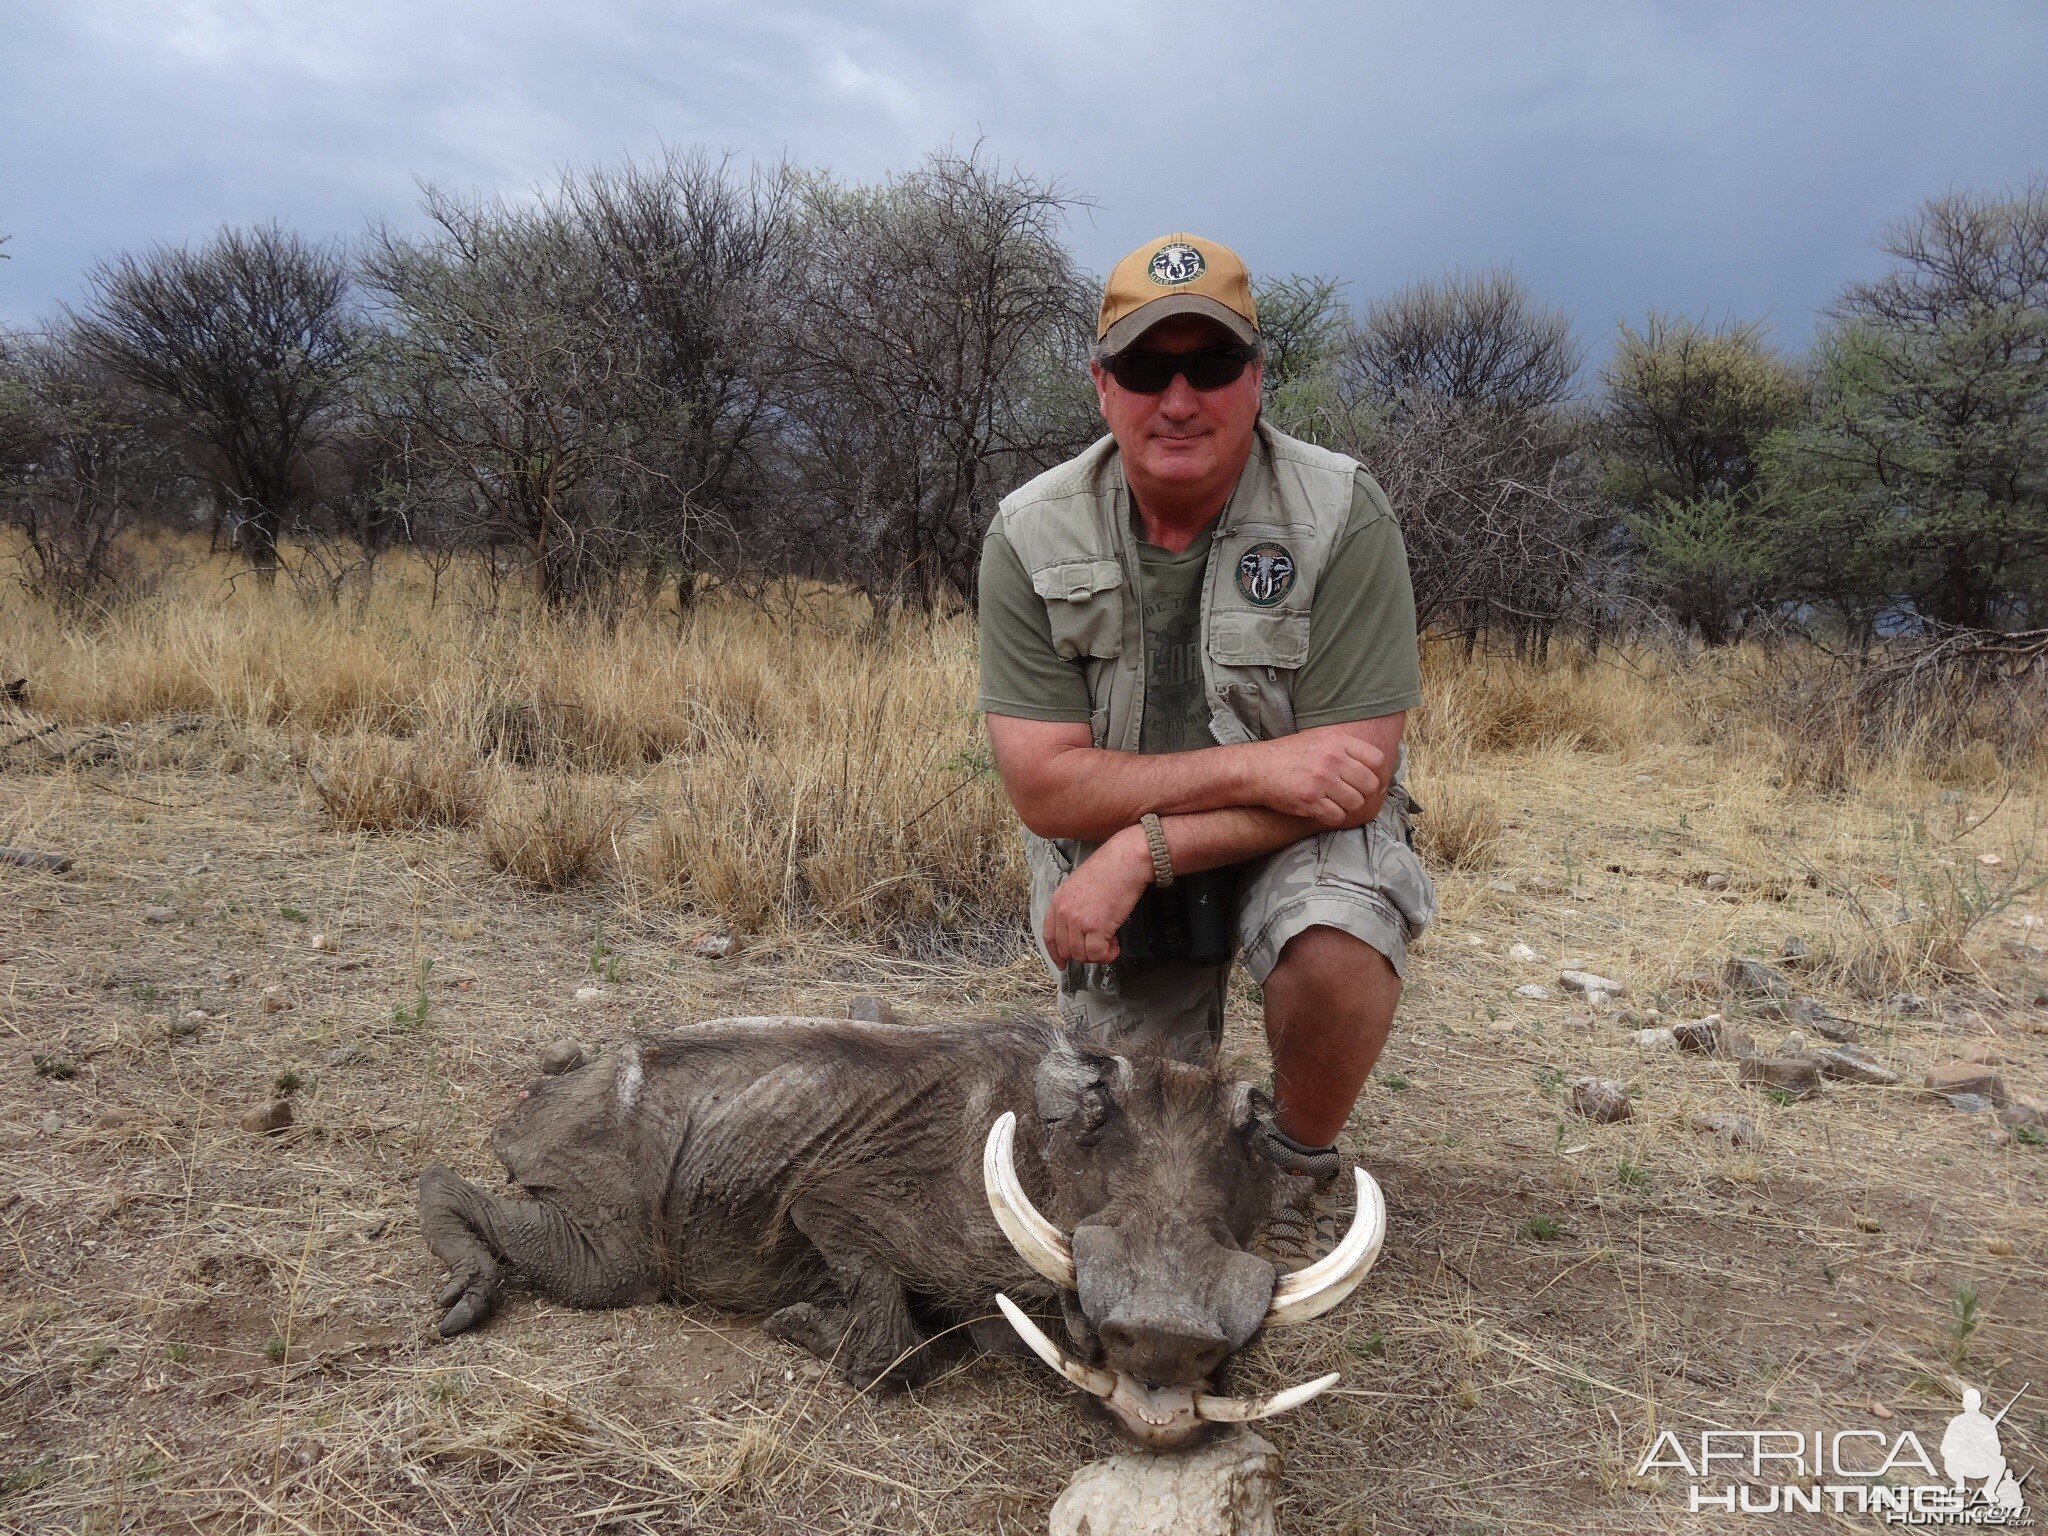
x: 1265, y: 574
x: 1175, y: 264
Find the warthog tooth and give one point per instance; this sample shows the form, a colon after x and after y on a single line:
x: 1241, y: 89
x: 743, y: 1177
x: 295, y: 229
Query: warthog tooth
x: 1088, y: 1378
x: 1242, y: 1410
x: 1313, y: 1291
x: 1041, y: 1244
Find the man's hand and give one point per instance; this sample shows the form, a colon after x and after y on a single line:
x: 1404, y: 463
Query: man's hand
x: 1328, y: 774
x: 1093, y: 902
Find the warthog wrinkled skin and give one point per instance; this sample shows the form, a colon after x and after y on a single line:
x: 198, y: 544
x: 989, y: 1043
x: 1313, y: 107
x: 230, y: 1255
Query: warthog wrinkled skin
x: 829, y: 1172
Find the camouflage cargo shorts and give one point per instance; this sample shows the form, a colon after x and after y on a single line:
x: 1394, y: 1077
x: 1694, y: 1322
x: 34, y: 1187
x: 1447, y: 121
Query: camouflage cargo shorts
x: 1366, y: 881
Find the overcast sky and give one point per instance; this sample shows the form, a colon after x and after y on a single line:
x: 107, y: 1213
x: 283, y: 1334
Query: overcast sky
x: 1711, y: 158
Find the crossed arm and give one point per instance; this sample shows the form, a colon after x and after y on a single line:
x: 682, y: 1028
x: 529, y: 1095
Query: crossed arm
x: 1218, y: 805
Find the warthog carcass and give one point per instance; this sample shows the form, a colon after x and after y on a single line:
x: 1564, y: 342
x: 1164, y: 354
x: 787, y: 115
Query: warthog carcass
x: 865, y: 1184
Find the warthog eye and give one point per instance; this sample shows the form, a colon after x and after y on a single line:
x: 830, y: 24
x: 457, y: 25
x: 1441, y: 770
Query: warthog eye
x: 1092, y: 1111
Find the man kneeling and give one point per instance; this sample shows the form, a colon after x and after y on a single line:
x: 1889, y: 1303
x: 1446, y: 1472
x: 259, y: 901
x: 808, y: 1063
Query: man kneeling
x: 1198, y: 651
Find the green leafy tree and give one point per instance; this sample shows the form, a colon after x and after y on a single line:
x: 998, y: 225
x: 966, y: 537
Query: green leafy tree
x: 1687, y: 410
x: 1919, y: 485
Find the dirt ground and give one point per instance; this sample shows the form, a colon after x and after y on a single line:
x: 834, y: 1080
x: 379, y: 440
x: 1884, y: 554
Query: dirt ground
x: 205, y: 1328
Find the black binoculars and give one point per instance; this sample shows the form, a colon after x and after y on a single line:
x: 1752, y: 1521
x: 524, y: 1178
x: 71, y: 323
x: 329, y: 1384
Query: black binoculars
x: 1189, y: 921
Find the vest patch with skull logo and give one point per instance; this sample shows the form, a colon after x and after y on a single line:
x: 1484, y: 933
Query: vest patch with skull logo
x: 1265, y: 574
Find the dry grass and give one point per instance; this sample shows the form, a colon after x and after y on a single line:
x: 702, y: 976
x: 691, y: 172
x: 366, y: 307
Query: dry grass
x: 211, y: 1331
x: 554, y: 835
x: 376, y: 784
x: 1460, y: 825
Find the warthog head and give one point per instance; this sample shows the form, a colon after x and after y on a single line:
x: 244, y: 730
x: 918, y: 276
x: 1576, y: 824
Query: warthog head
x: 1155, y: 1186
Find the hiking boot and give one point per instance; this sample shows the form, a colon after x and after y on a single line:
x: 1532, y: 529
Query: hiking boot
x: 1306, y: 1219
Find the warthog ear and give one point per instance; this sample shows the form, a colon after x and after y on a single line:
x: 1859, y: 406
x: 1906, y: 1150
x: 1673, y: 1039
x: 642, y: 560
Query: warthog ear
x: 1071, y: 1079
x: 1247, y: 1102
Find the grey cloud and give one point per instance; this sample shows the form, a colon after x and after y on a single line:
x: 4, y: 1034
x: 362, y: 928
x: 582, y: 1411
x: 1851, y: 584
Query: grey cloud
x: 1732, y: 158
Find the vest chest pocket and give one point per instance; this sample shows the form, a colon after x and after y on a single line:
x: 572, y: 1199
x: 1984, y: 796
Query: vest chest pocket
x: 1238, y: 639
x: 1084, y: 600
x: 1253, y: 658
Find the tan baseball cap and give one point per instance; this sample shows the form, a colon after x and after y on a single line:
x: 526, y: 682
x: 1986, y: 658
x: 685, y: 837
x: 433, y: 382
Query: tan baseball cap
x: 1175, y: 275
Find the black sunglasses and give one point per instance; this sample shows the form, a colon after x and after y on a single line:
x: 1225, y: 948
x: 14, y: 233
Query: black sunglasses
x: 1151, y: 373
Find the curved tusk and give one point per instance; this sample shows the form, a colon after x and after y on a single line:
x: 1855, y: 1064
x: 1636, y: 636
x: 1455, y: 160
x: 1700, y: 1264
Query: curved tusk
x: 1041, y: 1244
x: 1313, y: 1291
x: 1242, y: 1410
x: 1088, y: 1378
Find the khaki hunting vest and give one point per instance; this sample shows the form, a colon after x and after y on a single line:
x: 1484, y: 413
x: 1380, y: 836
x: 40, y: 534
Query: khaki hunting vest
x: 1071, y: 528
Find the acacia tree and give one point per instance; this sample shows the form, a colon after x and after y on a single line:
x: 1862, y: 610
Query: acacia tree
x: 937, y: 345
x: 79, y: 469
x: 1920, y: 480
x: 1686, y: 412
x: 502, y: 367
x: 697, y: 264
x: 242, y: 349
x: 1456, y: 394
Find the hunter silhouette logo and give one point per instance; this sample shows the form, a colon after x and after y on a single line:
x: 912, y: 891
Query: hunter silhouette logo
x: 1265, y: 574
x: 1175, y: 264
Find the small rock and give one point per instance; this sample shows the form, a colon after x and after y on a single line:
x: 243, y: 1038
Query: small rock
x: 1655, y: 1040
x: 2018, y: 1115
x: 318, y: 941
x: 714, y: 946
x: 562, y: 1056
x: 1801, y: 1079
x: 157, y: 914
x: 1965, y: 1077
x: 1588, y: 981
x: 197, y: 1015
x: 1226, y: 1488
x: 1736, y: 1130
x: 1601, y: 1100
x: 1846, y: 1064
x: 52, y: 1123
x: 872, y: 1010
x: 589, y: 994
x: 1966, y: 1103
x: 1713, y: 1036
x: 269, y: 1119
x: 1501, y: 887
x: 1991, y: 860
x: 1646, y: 778
x: 1717, y: 882
x: 1522, y: 954
x: 1809, y: 1014
x: 1533, y: 992
x: 1752, y: 978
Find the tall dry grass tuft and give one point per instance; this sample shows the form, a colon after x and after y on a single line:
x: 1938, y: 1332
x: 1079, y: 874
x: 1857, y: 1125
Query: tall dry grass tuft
x: 863, y: 798
x: 552, y: 835
x: 1459, y: 825
x: 1483, y: 704
x: 377, y: 784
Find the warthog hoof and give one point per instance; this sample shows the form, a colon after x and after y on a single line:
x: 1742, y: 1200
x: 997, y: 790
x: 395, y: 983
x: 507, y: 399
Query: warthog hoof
x: 470, y: 1298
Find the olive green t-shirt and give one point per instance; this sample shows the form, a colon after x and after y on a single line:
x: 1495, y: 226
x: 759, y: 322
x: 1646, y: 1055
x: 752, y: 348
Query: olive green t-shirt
x: 1362, y: 659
